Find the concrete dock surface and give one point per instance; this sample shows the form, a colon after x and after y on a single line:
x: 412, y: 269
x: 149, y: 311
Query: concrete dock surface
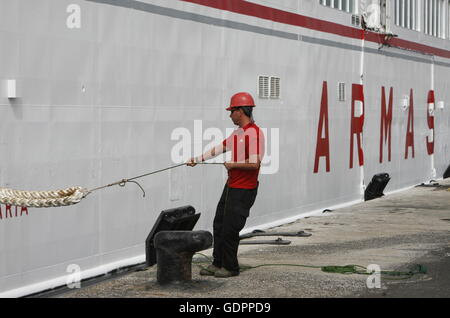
x: 393, y: 233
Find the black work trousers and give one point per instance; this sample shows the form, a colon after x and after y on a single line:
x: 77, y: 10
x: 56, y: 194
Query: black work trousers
x: 231, y: 214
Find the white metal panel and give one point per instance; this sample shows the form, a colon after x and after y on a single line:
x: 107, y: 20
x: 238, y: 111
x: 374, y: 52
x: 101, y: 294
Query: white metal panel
x: 441, y: 120
x: 396, y: 73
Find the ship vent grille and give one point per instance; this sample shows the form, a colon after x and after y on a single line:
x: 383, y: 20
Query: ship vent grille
x: 263, y: 86
x: 341, y: 91
x: 356, y: 20
x: 274, y: 87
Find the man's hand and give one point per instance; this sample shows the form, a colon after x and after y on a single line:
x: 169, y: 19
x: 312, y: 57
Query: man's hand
x: 192, y: 162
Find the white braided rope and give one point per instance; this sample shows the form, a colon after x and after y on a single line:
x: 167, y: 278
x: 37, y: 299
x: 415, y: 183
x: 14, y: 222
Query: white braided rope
x: 42, y: 199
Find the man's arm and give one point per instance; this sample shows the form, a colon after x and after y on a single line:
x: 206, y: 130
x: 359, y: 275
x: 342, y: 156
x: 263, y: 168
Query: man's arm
x: 211, y: 153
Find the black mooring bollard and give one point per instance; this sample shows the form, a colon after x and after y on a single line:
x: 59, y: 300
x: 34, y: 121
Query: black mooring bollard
x: 174, y: 251
x: 447, y: 173
x: 376, y: 186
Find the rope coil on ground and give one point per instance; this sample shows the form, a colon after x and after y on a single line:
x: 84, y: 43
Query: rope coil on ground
x: 42, y: 199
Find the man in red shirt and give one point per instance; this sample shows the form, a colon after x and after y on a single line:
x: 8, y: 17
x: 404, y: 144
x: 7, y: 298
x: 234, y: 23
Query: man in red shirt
x: 247, y: 149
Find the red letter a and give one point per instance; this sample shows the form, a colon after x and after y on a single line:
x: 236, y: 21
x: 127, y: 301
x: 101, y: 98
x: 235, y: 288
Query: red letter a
x: 410, y: 129
x: 23, y: 209
x: 357, y: 123
x: 323, y: 143
x: 386, y: 121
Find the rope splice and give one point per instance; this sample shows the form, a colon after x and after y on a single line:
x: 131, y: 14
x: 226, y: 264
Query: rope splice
x: 42, y: 199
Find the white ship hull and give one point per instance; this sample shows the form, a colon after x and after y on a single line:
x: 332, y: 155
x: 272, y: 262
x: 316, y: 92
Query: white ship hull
x: 105, y: 89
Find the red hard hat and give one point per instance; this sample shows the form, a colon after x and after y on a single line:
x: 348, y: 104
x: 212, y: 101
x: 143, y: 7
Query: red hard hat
x: 241, y: 99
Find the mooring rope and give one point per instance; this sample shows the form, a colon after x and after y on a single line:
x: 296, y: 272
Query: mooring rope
x: 69, y: 196
x: 42, y: 199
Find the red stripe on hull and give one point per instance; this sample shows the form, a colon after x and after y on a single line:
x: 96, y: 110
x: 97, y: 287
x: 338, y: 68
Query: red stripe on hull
x: 285, y: 17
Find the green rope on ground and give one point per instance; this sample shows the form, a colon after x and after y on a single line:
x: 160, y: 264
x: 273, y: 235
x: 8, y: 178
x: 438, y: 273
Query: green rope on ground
x: 416, y: 269
x: 247, y: 267
x: 346, y: 269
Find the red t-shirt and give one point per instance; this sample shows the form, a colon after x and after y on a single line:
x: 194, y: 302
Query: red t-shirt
x: 243, y: 143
